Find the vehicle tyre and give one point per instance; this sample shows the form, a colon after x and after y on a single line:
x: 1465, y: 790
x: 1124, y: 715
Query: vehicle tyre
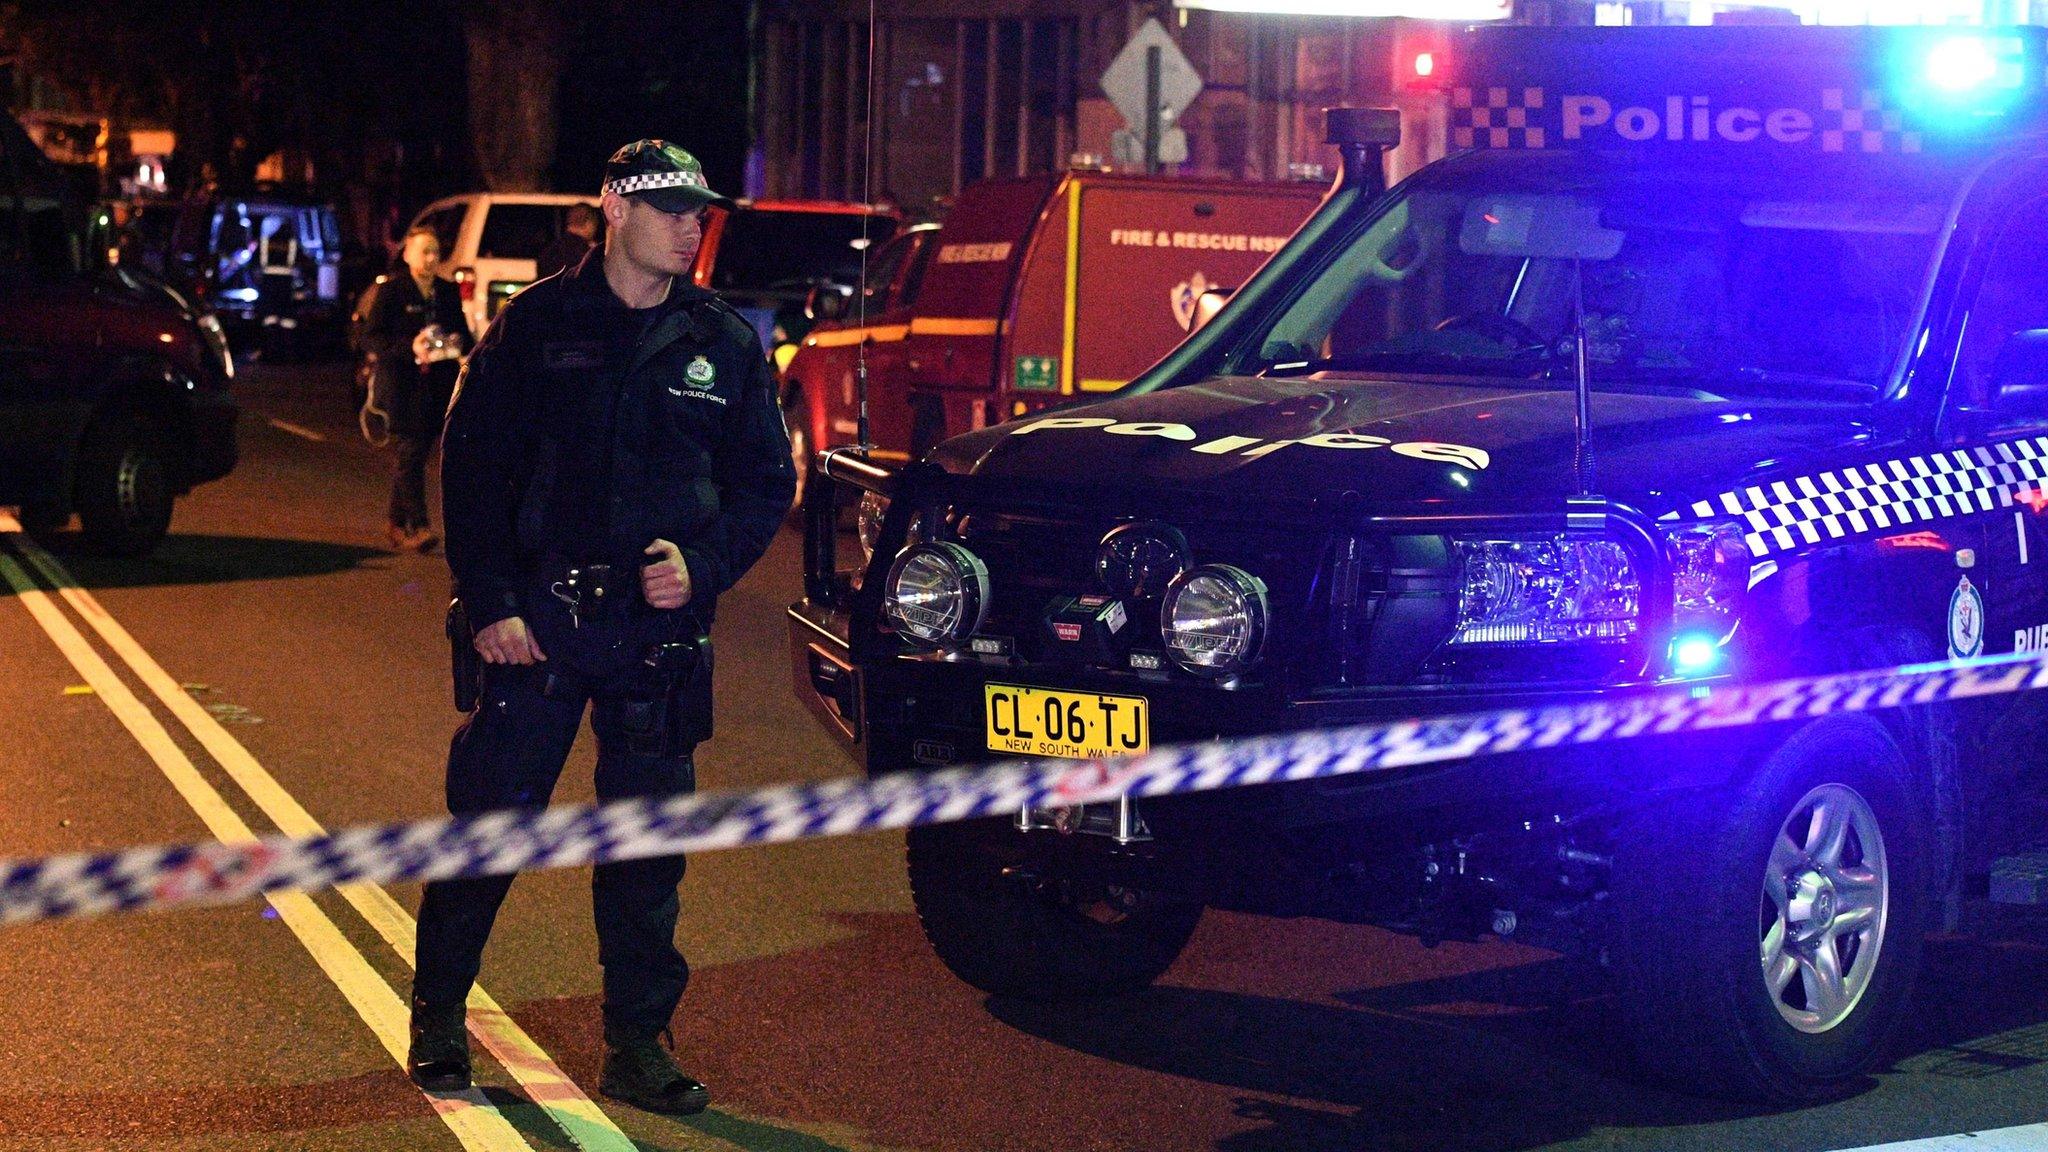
x: 1769, y: 935
x: 124, y: 485
x: 1010, y: 931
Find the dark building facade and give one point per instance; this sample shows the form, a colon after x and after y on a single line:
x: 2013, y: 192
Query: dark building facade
x: 1010, y: 87
x: 976, y: 88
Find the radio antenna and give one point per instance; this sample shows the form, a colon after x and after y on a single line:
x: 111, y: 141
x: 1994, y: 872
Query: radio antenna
x: 1582, y: 385
x: 867, y: 199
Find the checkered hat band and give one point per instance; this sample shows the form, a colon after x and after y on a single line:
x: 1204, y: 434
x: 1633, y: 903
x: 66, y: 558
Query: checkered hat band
x: 650, y: 181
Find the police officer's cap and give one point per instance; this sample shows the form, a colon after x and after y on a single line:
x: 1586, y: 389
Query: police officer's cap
x: 661, y: 174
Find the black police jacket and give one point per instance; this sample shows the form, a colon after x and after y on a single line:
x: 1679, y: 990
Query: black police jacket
x: 582, y: 431
x: 416, y: 399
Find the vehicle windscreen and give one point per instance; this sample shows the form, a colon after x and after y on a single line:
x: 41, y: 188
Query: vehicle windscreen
x: 765, y: 250
x: 1805, y: 285
x: 518, y: 231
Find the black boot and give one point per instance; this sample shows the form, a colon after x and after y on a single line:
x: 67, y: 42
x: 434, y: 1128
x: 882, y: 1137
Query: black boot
x: 638, y: 1072
x: 439, y: 1058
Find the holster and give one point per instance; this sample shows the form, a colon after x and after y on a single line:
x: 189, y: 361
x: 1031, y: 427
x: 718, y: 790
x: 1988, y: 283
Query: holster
x: 667, y: 712
x: 465, y: 667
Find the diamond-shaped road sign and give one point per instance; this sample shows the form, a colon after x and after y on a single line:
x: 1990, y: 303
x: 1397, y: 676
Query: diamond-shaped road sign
x: 1124, y: 80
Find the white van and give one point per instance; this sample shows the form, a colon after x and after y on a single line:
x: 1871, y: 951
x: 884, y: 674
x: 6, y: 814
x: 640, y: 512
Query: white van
x: 489, y: 240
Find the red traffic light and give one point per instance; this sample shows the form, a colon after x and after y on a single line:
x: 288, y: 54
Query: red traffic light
x: 1421, y: 55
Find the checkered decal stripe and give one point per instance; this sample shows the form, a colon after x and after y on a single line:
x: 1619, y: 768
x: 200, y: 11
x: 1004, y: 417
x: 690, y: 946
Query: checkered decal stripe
x: 626, y: 186
x: 1790, y: 514
x: 1514, y: 117
x: 515, y: 841
x: 1864, y: 124
x: 1496, y: 118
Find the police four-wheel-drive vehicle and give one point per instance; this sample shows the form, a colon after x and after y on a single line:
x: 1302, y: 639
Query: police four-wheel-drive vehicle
x: 1707, y: 355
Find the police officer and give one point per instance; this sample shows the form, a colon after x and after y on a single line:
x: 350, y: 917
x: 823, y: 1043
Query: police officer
x: 579, y: 235
x: 410, y: 377
x: 615, y: 460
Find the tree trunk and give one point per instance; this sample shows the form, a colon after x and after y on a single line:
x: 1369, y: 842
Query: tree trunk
x: 515, y: 64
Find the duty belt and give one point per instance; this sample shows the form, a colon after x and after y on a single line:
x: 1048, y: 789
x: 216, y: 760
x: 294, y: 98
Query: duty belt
x: 590, y: 591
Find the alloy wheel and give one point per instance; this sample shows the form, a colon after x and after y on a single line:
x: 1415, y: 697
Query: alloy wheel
x: 1826, y: 891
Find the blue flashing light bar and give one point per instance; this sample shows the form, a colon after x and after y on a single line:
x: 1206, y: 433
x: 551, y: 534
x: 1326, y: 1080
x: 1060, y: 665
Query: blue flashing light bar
x: 1961, y: 64
x: 1962, y: 78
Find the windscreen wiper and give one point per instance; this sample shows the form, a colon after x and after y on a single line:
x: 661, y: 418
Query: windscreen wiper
x: 1839, y: 387
x: 1435, y: 363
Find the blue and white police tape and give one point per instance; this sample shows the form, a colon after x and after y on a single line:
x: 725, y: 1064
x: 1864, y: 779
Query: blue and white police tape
x: 89, y: 884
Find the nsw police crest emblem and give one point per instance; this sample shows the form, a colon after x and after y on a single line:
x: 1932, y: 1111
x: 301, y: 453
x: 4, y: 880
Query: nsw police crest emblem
x: 700, y: 372
x: 1965, y: 621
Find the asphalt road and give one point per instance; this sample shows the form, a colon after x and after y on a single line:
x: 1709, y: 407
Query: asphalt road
x: 817, y: 1014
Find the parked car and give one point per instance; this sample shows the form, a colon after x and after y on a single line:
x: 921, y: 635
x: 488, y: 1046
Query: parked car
x: 116, y: 399
x: 998, y: 314
x: 1710, y: 355
x: 489, y: 241
x: 270, y: 266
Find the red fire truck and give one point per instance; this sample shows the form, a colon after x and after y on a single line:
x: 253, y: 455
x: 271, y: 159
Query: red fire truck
x: 1036, y: 290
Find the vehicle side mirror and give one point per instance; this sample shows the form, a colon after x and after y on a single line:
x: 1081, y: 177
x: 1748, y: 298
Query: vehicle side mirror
x: 2019, y: 376
x: 1208, y: 304
x: 827, y: 301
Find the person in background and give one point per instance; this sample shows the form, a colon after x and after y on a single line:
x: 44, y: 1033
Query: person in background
x: 579, y: 236
x: 415, y: 330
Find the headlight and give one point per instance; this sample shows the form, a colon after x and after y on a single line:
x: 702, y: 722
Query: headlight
x: 217, y: 341
x: 1214, y: 620
x: 868, y: 521
x: 1545, y: 590
x: 1709, y: 574
x: 868, y: 525
x: 936, y: 593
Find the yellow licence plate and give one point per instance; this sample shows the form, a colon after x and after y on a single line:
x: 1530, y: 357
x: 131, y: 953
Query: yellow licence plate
x: 1083, y: 725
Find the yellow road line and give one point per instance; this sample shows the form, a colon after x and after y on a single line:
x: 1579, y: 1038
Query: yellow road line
x: 469, y: 1115
x: 299, y: 430
x: 531, y: 1067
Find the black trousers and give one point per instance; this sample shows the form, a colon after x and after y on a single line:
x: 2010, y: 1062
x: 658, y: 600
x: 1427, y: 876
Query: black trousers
x: 508, y: 754
x: 409, y: 482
